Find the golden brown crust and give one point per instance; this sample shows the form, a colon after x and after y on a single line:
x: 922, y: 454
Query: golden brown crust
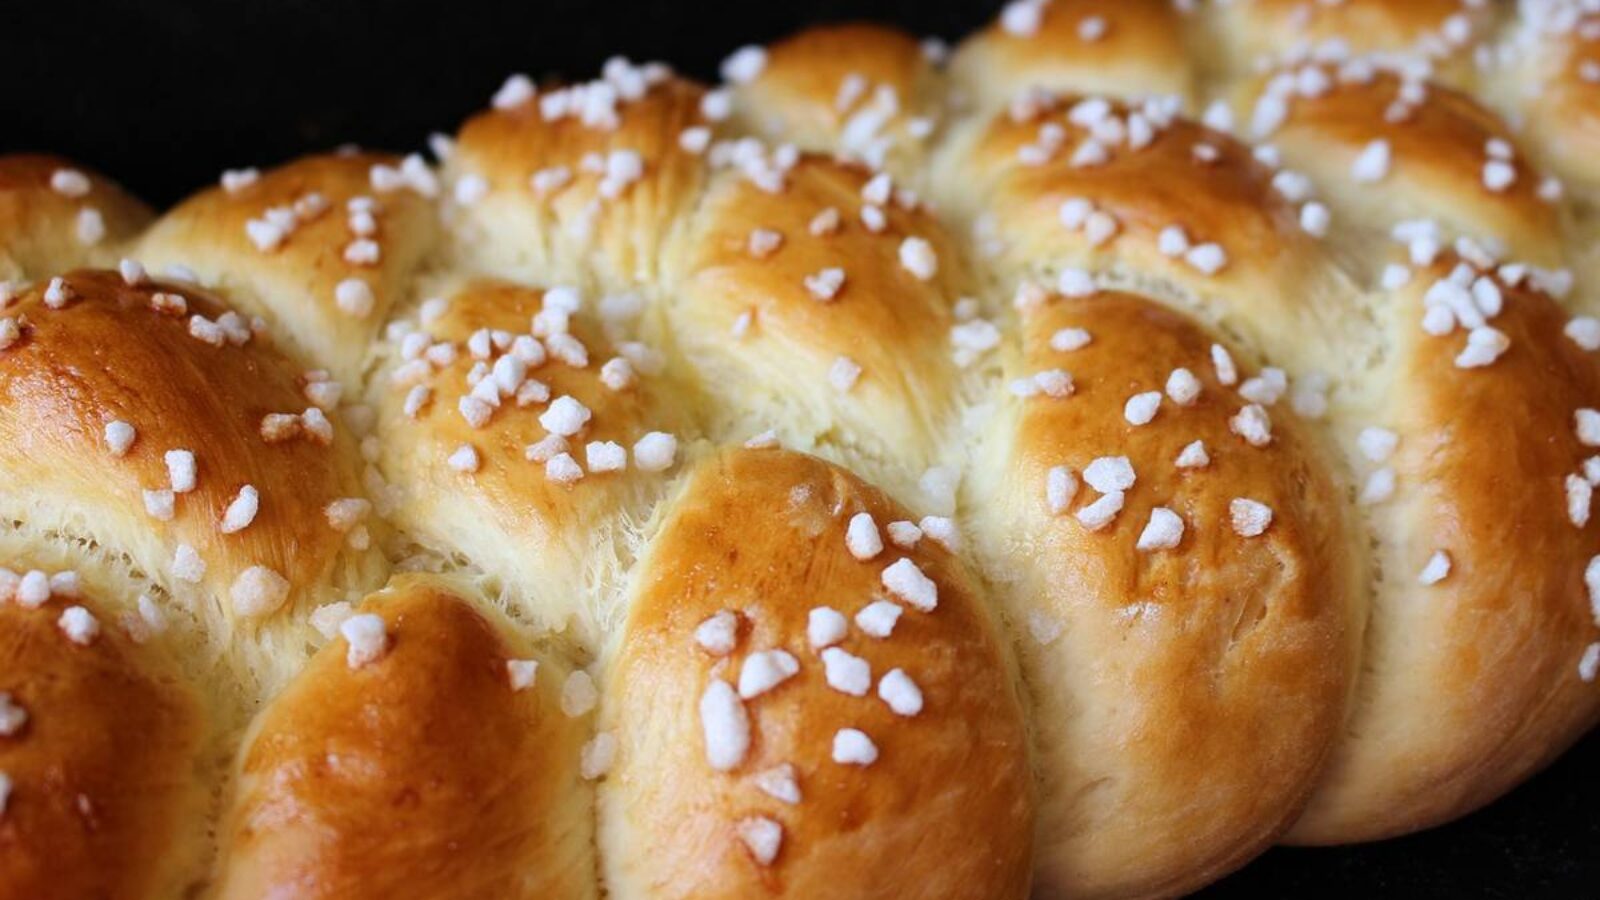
x: 1437, y: 157
x: 108, y: 356
x: 1139, y: 52
x: 45, y: 230
x: 1409, y: 29
x: 555, y: 233
x: 1184, y: 666
x: 423, y: 773
x: 944, y: 811
x: 1469, y: 683
x: 104, y: 798
x: 1275, y: 278
x: 1561, y: 106
x: 741, y: 317
x: 295, y: 283
x: 507, y: 513
x: 1164, y: 680
x: 821, y: 87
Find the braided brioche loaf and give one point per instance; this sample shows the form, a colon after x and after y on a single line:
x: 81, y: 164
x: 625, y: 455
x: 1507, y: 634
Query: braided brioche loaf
x: 1155, y: 432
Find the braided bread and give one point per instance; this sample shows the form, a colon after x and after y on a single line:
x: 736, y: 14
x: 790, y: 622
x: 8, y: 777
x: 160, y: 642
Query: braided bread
x: 1063, y: 466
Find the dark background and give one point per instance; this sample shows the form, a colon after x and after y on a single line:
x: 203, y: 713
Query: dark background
x: 163, y: 96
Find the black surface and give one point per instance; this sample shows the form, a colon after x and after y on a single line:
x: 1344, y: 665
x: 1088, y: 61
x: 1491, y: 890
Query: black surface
x: 164, y: 97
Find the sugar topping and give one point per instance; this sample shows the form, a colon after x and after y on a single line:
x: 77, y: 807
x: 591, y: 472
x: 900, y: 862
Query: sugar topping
x: 1436, y: 569
x: 1193, y: 456
x: 241, y: 510
x: 877, y: 619
x: 522, y: 673
x: 258, y: 591
x: 1579, y: 496
x: 780, y: 782
x: 1061, y: 485
x: 327, y: 618
x: 1141, y: 408
x: 744, y: 65
x: 846, y: 673
x: 597, y: 755
x: 1586, y: 424
x: 1252, y: 424
x: 901, y: 693
x: 69, y: 183
x: 119, y: 437
x: 1249, y: 517
x: 843, y: 374
x: 1183, y: 387
x: 1110, y: 473
x: 1222, y: 362
x: 917, y: 257
x: 187, y: 565
x: 181, y: 470
x: 764, y: 670
x: 12, y: 715
x: 367, y: 637
x: 79, y: 625
x: 1163, y: 532
x: 655, y: 451
x: 160, y: 504
x: 1591, y: 582
x: 354, y: 297
x: 719, y: 633
x: 762, y: 836
x: 824, y: 285
x: 1067, y: 340
x: 825, y: 627
x: 32, y: 589
x: 1372, y: 163
x: 852, y: 747
x: 904, y: 534
x: 565, y: 416
x: 905, y: 580
x: 724, y: 725
x: 1378, y: 487
x: 1100, y: 513
x: 862, y: 538
x: 578, y: 694
x: 1377, y: 444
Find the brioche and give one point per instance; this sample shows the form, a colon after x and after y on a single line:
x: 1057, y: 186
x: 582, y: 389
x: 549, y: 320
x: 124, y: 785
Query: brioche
x: 1061, y: 465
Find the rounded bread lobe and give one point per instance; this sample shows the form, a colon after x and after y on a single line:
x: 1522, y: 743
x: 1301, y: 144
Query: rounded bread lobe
x: 1383, y: 157
x: 935, y: 803
x: 1187, y: 662
x: 321, y: 247
x: 866, y: 90
x: 1555, y: 84
x: 250, y: 511
x: 423, y: 772
x: 1179, y: 209
x: 1125, y: 49
x: 796, y: 320
x: 533, y: 502
x: 1491, y: 650
x: 1439, y: 34
x: 56, y: 215
x: 581, y: 181
x: 104, y: 796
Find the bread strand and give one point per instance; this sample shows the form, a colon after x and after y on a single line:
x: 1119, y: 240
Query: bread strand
x: 1423, y: 249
